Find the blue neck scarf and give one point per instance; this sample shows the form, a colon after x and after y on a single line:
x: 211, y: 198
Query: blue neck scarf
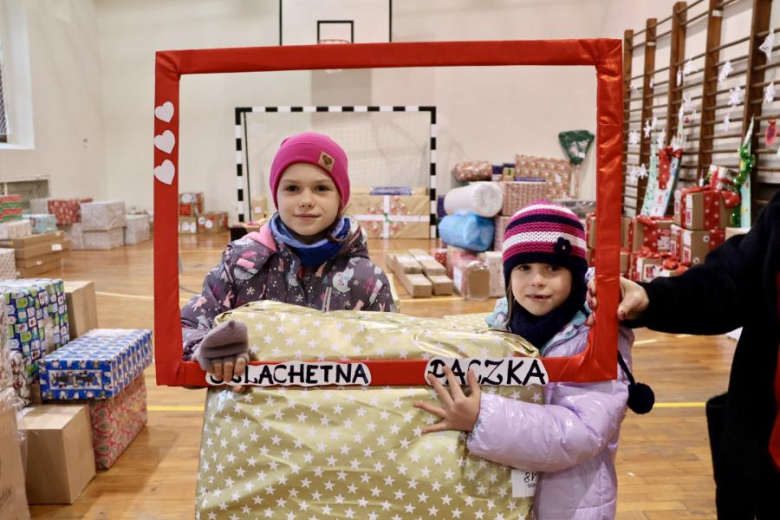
x: 311, y: 255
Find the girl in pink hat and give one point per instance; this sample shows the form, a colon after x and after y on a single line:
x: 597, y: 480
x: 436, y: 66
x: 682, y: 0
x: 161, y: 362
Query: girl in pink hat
x: 309, y: 254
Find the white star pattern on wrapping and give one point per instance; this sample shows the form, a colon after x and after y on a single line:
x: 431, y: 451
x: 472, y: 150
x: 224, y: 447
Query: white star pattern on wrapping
x: 311, y: 469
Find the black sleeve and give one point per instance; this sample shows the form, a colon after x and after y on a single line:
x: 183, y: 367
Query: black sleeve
x: 712, y: 298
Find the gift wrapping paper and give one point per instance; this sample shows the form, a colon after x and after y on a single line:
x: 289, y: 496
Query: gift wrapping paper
x: 104, y: 240
x: 392, y: 216
x: 212, y: 222
x: 137, y: 229
x: 36, y: 322
x: 15, y: 229
x: 67, y: 211
x: 115, y: 421
x: 500, y: 223
x: 75, y: 234
x: 702, y: 208
x: 518, y: 195
x: 6, y: 375
x: 557, y: 173
x: 654, y: 233
x: 190, y: 204
x: 42, y: 223
x: 97, y: 365
x: 10, y: 208
x: 468, y: 171
x: 103, y: 216
x: 7, y: 264
x: 495, y: 264
x: 349, y: 452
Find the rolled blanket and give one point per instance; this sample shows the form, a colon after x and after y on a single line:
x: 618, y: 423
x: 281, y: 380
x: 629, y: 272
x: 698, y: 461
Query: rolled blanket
x: 483, y: 198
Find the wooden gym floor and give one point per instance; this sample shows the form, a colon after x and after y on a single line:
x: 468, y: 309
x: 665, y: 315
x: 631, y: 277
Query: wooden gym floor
x: 663, y: 463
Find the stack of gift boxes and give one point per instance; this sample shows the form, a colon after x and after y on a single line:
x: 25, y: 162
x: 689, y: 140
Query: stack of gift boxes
x: 37, y: 254
x: 193, y: 220
x: 103, y: 224
x: 67, y: 213
x: 79, y: 389
x: 392, y: 212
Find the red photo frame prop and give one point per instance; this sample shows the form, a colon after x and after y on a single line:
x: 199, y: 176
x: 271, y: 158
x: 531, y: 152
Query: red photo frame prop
x: 597, y: 363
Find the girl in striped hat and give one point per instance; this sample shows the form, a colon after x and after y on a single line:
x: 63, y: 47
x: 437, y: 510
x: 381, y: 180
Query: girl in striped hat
x: 572, y: 438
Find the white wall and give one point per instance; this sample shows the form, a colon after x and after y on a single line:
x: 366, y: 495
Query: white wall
x: 67, y: 109
x: 485, y: 113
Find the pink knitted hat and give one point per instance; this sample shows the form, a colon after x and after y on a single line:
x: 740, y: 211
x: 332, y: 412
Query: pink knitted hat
x: 545, y: 233
x: 319, y: 150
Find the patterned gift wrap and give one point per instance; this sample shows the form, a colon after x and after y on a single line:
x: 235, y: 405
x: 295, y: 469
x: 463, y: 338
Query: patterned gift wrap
x: 104, y: 240
x: 7, y: 264
x: 15, y: 229
x: 36, y: 319
x: 471, y: 322
x: 392, y: 216
x: 557, y: 173
x: 500, y: 223
x: 42, y: 223
x: 97, y: 365
x: 137, y: 229
x: 10, y: 208
x: 6, y: 376
x: 116, y: 421
x: 76, y: 235
x: 190, y: 204
x: 348, y: 452
x: 103, y: 216
x: 67, y: 211
x: 212, y: 222
x: 468, y: 171
x: 518, y: 195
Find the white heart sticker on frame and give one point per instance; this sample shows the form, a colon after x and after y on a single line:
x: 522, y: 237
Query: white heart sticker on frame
x: 164, y: 112
x: 165, y: 142
x: 165, y: 172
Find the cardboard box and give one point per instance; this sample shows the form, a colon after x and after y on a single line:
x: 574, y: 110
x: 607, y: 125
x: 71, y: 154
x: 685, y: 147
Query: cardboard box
x: 188, y: 225
x: 695, y: 245
x: 103, y: 216
x: 42, y: 223
x: 104, y: 240
x: 13, y: 497
x: 495, y: 264
x: 625, y: 257
x: 97, y: 365
x: 590, y: 229
x: 67, y: 211
x: 442, y: 285
x: 190, y: 204
x: 7, y: 264
x: 704, y: 210
x: 653, y: 233
x: 15, y: 229
x: 82, y: 307
x: 212, y: 222
x: 259, y: 209
x: 519, y: 194
x: 417, y: 285
x: 500, y: 223
x: 392, y: 216
x: 648, y: 268
x: 393, y: 290
x: 429, y: 264
x: 75, y: 235
x: 60, y: 460
x: 402, y: 263
x: 557, y: 173
x: 470, y: 277
x: 625, y: 226
x: 137, y: 229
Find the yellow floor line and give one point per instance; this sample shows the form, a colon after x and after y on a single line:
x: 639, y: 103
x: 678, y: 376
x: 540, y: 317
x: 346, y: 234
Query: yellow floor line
x: 645, y: 342
x: 118, y: 295
x: 153, y: 408
x: 682, y: 336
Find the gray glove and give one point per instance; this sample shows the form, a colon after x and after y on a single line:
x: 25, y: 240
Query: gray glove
x: 226, y: 343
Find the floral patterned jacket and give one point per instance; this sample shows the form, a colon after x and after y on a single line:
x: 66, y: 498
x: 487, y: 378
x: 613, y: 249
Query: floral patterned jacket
x: 258, y: 267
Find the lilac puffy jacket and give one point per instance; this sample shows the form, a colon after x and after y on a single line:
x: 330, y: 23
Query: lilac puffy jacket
x: 572, y: 439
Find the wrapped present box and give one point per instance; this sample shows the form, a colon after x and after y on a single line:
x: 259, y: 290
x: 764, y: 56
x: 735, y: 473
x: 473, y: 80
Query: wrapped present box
x: 468, y: 171
x: 104, y: 240
x: 495, y: 264
x: 67, y: 211
x: 98, y: 365
x: 519, y: 194
x: 700, y: 208
x: 6, y: 375
x: 212, y: 222
x: 15, y: 229
x: 695, y: 245
x: 259, y: 209
x: 14, y: 496
x: 470, y: 276
x: 348, y: 441
x: 653, y: 233
x: 10, y: 208
x: 42, y: 223
x: 36, y: 318
x: 75, y: 235
x: 7, y: 264
x: 190, y: 204
x: 499, y: 223
x: 393, y: 216
x: 590, y: 230
x: 137, y: 229
x: 188, y: 225
x: 115, y: 421
x: 103, y: 216
x: 625, y: 231
x: 557, y: 173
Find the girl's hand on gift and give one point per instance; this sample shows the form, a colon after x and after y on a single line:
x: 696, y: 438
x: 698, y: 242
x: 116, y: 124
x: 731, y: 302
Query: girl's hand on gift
x: 225, y: 371
x: 633, y: 301
x: 459, y: 412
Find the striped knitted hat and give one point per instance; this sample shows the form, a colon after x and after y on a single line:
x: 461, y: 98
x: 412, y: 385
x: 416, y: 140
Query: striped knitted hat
x: 545, y: 233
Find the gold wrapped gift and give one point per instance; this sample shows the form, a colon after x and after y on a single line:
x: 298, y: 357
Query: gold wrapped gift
x: 349, y: 452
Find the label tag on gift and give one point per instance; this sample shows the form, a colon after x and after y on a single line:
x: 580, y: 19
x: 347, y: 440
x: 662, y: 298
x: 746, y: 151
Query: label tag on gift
x: 509, y: 371
x: 524, y: 483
